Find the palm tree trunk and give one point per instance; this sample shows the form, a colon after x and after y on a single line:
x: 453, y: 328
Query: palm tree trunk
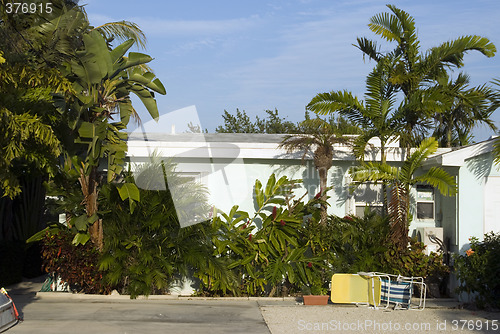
x: 448, y: 136
x: 384, y: 185
x: 399, y: 213
x: 323, y: 178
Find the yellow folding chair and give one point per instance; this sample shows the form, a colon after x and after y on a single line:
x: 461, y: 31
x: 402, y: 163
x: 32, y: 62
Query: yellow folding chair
x: 355, y: 289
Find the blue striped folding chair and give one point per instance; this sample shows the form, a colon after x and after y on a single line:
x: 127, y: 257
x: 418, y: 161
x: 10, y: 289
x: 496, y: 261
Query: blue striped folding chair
x: 399, y: 290
x: 395, y: 292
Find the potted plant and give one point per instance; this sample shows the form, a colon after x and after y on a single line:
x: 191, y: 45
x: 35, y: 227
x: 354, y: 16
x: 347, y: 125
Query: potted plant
x: 315, y: 293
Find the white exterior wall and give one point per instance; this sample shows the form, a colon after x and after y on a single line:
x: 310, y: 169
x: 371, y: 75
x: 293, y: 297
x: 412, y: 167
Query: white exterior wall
x: 476, y: 208
x: 479, y: 199
x: 230, y: 166
x: 229, y: 169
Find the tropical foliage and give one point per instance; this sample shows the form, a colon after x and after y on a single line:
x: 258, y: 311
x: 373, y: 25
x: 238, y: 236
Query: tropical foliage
x: 266, y: 251
x: 318, y: 138
x: 146, y: 250
x: 415, y: 72
x: 400, y: 181
x: 465, y: 108
x: 478, y: 270
x: 103, y: 80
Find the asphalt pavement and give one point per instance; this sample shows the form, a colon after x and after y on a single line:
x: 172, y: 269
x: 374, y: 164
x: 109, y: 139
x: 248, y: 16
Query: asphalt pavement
x: 50, y: 312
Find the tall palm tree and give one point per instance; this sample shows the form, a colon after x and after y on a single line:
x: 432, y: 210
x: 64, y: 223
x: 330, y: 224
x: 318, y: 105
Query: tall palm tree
x: 401, y: 180
x: 318, y: 138
x: 415, y: 71
x: 375, y: 115
x: 496, y: 103
x: 464, y: 108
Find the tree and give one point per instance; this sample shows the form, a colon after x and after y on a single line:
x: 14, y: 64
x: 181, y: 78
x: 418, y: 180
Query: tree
x: 465, y: 108
x: 318, y: 137
x: 414, y: 72
x: 241, y: 123
x: 375, y: 115
x: 401, y: 180
x: 103, y: 80
x: 25, y: 139
x: 273, y: 123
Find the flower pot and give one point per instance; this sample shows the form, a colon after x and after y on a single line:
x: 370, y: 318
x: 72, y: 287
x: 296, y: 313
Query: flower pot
x: 315, y: 300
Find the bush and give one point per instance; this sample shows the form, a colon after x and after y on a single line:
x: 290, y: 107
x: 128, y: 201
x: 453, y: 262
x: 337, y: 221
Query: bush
x: 76, y: 265
x: 359, y: 243
x: 412, y: 261
x: 269, y: 254
x: 145, y: 248
x: 362, y: 244
x: 478, y: 271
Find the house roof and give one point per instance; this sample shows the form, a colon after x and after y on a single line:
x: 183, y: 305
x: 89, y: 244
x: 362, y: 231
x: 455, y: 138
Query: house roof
x: 235, y: 145
x: 456, y: 157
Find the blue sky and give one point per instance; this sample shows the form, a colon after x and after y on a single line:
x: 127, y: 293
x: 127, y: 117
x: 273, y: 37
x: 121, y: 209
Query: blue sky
x: 256, y: 55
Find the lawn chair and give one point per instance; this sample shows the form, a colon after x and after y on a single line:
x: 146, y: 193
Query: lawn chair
x: 356, y: 289
x: 399, y: 290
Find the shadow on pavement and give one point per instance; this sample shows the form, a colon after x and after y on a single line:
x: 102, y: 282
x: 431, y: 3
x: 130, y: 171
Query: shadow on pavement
x: 24, y: 293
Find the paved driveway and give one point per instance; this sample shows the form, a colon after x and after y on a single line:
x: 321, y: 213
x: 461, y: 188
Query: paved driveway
x: 48, y: 315
x: 73, y: 314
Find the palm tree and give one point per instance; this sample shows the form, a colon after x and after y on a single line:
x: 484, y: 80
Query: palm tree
x: 414, y: 71
x: 318, y: 137
x: 465, y: 108
x: 401, y: 180
x: 374, y: 115
x: 496, y: 103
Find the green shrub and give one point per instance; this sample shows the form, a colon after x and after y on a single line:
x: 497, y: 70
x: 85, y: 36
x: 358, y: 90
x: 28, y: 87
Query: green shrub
x: 267, y: 253
x: 478, y: 271
x: 412, y: 261
x: 359, y: 243
x: 145, y: 249
x: 363, y: 244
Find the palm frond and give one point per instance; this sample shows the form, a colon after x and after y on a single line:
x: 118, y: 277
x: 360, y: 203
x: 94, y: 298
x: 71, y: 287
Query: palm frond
x: 415, y: 160
x: 439, y: 179
x: 496, y: 151
x: 373, y: 172
x: 361, y: 143
x: 342, y: 101
x: 369, y: 48
x: 122, y: 31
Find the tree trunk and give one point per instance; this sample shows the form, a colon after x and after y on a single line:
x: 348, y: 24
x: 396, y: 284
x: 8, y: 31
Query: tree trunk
x: 398, y: 213
x: 385, y: 198
x: 323, y: 178
x: 89, y: 184
x: 448, y: 137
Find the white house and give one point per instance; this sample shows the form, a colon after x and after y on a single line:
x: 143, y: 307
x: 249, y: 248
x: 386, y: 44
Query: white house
x: 229, y: 164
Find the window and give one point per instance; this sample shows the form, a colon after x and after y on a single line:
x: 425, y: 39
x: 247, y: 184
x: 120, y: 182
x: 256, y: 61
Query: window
x: 425, y: 202
x: 368, y: 195
x: 189, y: 177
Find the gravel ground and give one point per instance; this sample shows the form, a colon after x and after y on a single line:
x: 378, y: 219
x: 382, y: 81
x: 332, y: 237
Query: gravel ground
x: 352, y: 319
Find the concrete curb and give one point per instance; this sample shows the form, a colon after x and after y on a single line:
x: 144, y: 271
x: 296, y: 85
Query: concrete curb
x: 81, y: 296
x: 445, y: 303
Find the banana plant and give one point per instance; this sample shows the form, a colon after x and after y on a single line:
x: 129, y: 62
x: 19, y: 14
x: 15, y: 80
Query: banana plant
x: 100, y: 110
